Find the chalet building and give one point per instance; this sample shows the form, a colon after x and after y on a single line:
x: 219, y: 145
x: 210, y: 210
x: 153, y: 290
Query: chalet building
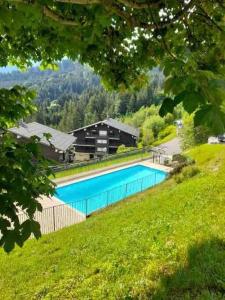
x: 104, y: 137
x: 60, y: 147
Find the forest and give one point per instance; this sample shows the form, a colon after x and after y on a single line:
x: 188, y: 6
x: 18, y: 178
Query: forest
x: 73, y: 95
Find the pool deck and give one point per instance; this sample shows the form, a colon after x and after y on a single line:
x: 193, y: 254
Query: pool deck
x: 86, y: 175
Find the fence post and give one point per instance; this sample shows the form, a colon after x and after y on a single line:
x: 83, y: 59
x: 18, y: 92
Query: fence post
x: 141, y: 184
x: 53, y: 214
x: 155, y: 178
x: 107, y: 198
x: 86, y: 203
x: 126, y: 189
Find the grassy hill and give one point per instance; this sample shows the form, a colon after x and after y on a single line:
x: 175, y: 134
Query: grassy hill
x: 165, y: 243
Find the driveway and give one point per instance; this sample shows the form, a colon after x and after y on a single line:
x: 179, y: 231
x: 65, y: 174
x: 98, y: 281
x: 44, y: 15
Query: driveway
x: 172, y: 147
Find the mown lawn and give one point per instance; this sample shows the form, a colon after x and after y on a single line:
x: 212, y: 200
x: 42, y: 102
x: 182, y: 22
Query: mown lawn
x: 165, y: 243
x: 101, y: 164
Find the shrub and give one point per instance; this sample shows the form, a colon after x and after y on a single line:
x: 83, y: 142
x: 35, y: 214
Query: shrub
x: 147, y: 138
x: 180, y: 158
x: 154, y: 123
x: 187, y: 172
x: 190, y: 171
x: 179, y: 162
x: 123, y: 148
x: 166, y: 131
x: 191, y: 135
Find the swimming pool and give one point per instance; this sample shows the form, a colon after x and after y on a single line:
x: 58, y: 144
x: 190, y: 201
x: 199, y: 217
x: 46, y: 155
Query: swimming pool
x: 92, y: 194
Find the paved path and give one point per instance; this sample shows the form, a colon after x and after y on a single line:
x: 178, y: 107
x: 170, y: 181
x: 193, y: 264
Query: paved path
x: 172, y: 147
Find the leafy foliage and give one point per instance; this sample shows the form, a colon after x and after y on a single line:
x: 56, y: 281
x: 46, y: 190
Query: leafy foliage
x: 23, y: 172
x: 193, y: 135
x: 153, y: 128
x: 123, y: 149
x: 186, y: 173
x: 122, y: 40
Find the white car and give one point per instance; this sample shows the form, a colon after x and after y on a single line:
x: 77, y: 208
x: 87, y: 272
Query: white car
x: 221, y: 138
x: 213, y: 140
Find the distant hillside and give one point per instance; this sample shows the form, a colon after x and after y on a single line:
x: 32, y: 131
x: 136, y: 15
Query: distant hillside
x: 71, y: 77
x: 73, y: 96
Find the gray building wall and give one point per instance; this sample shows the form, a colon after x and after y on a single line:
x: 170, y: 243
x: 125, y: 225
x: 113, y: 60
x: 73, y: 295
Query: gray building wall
x: 87, y: 139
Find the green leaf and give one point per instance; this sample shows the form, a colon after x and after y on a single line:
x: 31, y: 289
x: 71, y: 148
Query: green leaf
x: 9, y: 241
x: 166, y: 107
x: 36, y: 229
x: 190, y: 99
x: 30, y: 226
x: 211, y: 116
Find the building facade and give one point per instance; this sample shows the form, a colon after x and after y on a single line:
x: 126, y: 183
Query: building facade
x: 102, y: 138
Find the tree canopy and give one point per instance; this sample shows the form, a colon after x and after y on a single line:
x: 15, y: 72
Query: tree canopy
x: 123, y: 39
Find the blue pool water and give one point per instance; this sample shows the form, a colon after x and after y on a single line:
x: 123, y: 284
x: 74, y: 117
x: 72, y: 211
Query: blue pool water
x: 92, y: 194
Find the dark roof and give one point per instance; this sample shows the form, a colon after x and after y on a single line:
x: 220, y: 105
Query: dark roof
x: 116, y: 124
x: 60, y: 140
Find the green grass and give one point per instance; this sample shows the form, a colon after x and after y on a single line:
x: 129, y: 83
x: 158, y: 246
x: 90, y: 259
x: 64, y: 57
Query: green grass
x: 172, y: 133
x: 101, y: 164
x: 165, y: 243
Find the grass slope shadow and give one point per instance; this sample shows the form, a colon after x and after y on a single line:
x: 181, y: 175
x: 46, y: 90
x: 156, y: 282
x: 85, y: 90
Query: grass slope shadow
x: 202, y: 278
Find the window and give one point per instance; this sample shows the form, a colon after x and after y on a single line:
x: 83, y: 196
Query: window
x: 102, y: 149
x: 101, y: 141
x: 102, y: 132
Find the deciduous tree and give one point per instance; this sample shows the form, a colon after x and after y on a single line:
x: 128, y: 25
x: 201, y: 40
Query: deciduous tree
x: 123, y: 39
x: 23, y: 172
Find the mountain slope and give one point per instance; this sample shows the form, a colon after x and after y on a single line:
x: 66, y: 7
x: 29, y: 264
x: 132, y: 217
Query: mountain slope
x: 71, y: 77
x: 165, y: 243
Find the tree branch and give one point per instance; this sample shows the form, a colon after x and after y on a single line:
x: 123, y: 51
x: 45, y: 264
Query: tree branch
x: 118, y: 9
x: 167, y: 49
x: 139, y: 5
x: 205, y: 15
x: 81, y: 2
x: 176, y: 17
x: 54, y: 16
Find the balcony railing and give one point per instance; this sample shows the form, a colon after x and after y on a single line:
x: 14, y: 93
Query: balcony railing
x: 84, y: 145
x: 114, y: 137
x: 91, y: 136
x: 96, y: 135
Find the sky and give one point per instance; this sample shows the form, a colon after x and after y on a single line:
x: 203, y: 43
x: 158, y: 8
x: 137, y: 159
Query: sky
x: 7, y: 69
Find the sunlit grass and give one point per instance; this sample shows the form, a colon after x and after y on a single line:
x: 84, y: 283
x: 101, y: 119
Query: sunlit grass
x: 165, y: 243
x: 172, y: 133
